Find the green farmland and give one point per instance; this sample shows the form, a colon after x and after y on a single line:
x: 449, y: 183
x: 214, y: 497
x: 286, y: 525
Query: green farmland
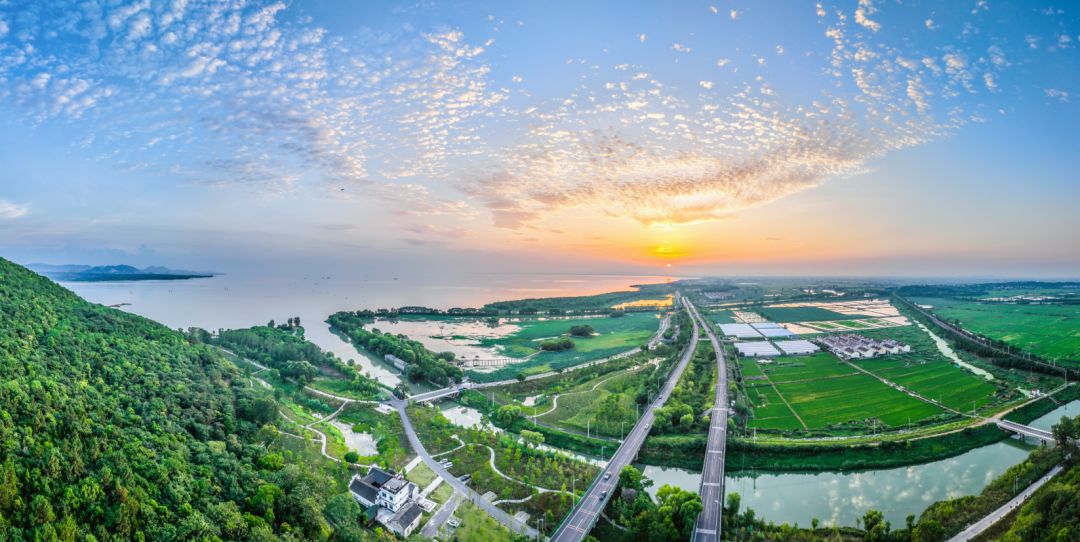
x: 942, y: 382
x: 851, y: 398
x: 820, y: 365
x: 722, y: 317
x: 804, y: 314
x: 629, y: 331
x: 1050, y: 331
x: 770, y: 412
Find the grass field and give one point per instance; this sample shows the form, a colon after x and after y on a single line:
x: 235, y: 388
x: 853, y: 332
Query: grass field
x: 421, y: 475
x: 935, y: 301
x: 770, y: 412
x: 1050, y: 331
x: 722, y: 317
x: 478, y: 526
x: 579, y: 411
x: 853, y: 324
x: 827, y: 402
x: 749, y: 368
x: 820, y: 365
x: 804, y: 314
x: 942, y: 382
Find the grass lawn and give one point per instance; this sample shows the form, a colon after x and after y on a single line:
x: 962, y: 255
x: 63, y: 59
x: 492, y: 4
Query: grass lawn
x: 574, y: 411
x: 442, y: 493
x: 344, y: 388
x: 478, y: 526
x: 944, y: 382
x: 820, y: 365
x: 534, y: 331
x: 827, y: 402
x: 422, y: 475
x: 1050, y: 331
x: 565, y: 382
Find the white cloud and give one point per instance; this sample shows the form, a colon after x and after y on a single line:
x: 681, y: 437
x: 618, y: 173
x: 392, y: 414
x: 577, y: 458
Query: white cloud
x: 734, y: 14
x: 990, y: 83
x: 820, y: 10
x: 930, y: 24
x: 11, y: 211
x: 722, y: 61
x: 1059, y: 94
x: 779, y: 50
x: 980, y: 4
x: 706, y: 84
x: 643, y: 37
x: 515, y: 79
x: 714, y: 10
x: 860, y: 17
x: 681, y: 48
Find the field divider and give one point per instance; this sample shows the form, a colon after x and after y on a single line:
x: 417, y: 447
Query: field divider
x: 784, y: 399
x: 908, y: 391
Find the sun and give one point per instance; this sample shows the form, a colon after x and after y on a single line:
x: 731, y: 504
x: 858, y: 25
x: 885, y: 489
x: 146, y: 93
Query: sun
x: 669, y: 265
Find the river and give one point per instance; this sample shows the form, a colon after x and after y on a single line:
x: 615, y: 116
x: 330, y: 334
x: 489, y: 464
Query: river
x: 842, y: 497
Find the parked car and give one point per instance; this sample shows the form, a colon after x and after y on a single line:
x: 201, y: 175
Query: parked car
x: 465, y: 478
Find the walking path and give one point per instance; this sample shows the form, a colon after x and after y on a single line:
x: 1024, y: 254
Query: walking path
x: 418, y: 447
x: 983, y: 524
x: 555, y: 399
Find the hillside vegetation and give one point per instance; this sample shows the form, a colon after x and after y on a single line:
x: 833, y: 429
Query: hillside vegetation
x: 114, y: 427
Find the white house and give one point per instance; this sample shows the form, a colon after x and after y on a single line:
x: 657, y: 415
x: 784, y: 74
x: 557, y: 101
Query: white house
x: 394, y: 496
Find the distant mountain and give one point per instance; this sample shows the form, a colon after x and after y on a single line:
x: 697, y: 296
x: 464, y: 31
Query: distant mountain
x: 86, y: 273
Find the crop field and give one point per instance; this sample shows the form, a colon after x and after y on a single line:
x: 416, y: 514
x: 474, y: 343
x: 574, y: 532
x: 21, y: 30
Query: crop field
x: 858, y: 397
x: 820, y: 365
x: 942, y: 382
x: 1050, y: 331
x: 770, y: 412
x: 804, y: 314
x: 935, y: 301
x: 722, y: 317
x: 854, y: 325
x: 749, y: 368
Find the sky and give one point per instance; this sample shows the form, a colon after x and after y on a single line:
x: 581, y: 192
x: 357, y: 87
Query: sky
x: 863, y: 137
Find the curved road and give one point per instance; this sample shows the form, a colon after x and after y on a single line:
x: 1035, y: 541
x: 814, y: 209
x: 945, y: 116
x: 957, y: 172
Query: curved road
x: 584, y: 514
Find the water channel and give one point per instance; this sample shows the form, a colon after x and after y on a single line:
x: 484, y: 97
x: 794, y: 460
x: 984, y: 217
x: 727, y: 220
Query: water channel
x: 947, y: 351
x: 844, y: 496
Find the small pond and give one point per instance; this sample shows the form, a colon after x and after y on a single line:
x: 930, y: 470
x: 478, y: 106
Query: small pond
x: 362, y: 443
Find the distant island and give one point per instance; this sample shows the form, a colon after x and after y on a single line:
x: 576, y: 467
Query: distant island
x: 114, y: 273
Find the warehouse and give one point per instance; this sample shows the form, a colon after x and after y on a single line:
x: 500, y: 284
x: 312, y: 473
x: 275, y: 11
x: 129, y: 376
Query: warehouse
x: 742, y: 331
x: 794, y: 348
x: 760, y: 349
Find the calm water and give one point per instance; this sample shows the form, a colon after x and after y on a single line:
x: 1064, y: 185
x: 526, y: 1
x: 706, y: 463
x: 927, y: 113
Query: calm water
x: 233, y: 301
x: 799, y: 497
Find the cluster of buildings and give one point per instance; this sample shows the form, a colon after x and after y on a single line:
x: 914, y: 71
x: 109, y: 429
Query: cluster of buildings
x: 855, y: 346
x: 718, y: 295
x: 388, y: 499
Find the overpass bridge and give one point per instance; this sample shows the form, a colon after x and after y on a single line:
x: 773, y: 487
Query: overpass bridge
x: 586, y: 511
x: 707, y: 525
x: 440, y: 394
x: 1023, y: 430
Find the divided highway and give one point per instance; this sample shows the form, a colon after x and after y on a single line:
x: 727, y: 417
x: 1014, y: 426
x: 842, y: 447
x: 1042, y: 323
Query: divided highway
x: 582, y: 518
x: 707, y: 526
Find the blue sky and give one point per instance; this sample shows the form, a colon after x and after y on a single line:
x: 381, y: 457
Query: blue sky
x: 720, y: 137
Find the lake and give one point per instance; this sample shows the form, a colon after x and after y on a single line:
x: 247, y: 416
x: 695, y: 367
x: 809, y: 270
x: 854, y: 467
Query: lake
x: 844, y: 496
x: 237, y: 301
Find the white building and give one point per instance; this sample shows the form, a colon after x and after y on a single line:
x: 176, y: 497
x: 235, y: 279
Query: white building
x: 393, y: 495
x: 398, y: 362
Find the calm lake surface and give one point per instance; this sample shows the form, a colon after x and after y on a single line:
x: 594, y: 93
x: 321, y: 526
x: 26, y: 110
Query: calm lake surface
x: 831, y: 496
x: 234, y: 301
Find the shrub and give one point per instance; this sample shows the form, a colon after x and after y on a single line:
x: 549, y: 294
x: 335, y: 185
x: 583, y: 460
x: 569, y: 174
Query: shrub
x: 557, y: 345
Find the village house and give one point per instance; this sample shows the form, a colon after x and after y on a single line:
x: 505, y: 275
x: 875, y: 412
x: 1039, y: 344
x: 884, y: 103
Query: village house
x: 388, y: 499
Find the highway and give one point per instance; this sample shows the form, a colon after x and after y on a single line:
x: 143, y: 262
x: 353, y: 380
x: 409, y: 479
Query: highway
x: 582, y: 518
x: 707, y: 526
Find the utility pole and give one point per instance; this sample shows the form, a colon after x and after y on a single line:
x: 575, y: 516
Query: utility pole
x: 587, y: 430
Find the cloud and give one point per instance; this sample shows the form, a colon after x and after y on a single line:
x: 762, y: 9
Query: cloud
x: 860, y: 17
x: 722, y: 61
x: 1059, y: 94
x: 706, y: 84
x: 930, y: 24
x: 643, y: 37
x: 340, y: 227
x: 714, y: 10
x: 681, y: 48
x: 734, y: 14
x: 11, y: 211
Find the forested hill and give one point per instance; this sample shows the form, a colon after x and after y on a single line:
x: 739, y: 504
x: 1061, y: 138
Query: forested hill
x: 113, y: 427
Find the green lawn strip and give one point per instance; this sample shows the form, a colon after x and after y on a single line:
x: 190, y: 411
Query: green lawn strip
x: 827, y: 402
x: 565, y: 382
x: 546, y: 362
x: 820, y: 365
x: 344, y: 388
x: 422, y: 475
x: 853, y: 324
x: 442, y: 493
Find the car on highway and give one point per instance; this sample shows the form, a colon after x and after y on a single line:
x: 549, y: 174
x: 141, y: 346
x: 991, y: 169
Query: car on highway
x: 646, y: 426
x: 607, y: 475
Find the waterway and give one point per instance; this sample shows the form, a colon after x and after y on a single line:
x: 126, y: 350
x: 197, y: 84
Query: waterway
x: 948, y: 352
x: 844, y: 496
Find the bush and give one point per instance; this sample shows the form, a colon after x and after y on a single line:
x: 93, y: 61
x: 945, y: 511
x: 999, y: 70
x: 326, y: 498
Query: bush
x: 616, y: 314
x: 582, y: 330
x: 557, y: 345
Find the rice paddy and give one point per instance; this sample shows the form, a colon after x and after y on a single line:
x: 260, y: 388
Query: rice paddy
x: 826, y: 402
x: 1050, y: 331
x: 942, y: 382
